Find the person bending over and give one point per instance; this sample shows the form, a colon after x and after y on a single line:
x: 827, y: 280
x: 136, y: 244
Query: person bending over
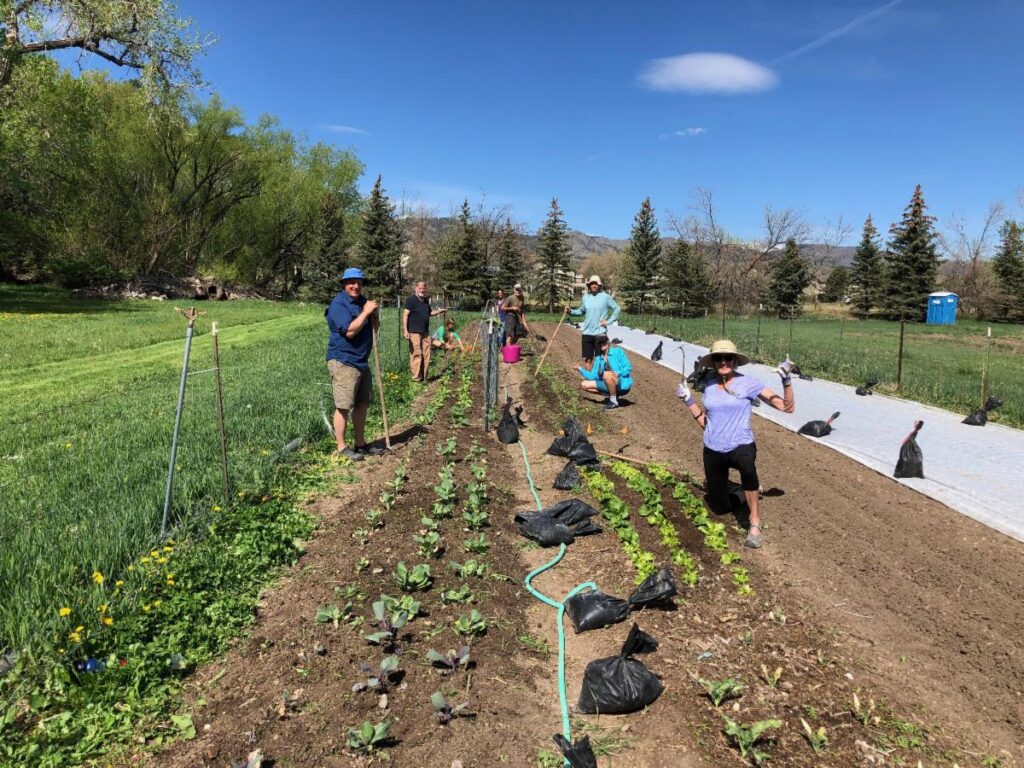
x: 725, y: 418
x: 610, y: 375
x: 447, y: 338
x: 595, y: 306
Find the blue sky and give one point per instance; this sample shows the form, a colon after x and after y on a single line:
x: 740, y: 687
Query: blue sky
x: 832, y: 108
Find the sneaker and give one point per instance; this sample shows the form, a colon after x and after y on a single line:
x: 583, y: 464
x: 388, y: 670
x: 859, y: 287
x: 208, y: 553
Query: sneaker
x: 348, y: 453
x: 370, y: 450
x: 606, y: 401
x: 610, y: 406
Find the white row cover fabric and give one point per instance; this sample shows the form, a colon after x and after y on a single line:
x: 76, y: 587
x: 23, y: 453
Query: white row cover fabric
x: 978, y: 471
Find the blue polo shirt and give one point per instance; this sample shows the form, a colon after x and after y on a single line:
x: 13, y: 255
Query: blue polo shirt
x: 340, y: 314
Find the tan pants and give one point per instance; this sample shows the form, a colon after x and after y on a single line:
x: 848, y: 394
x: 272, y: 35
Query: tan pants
x: 419, y: 355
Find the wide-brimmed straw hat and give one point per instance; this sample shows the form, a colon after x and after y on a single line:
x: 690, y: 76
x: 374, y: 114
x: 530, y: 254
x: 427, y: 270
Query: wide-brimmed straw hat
x: 724, y: 347
x: 595, y: 279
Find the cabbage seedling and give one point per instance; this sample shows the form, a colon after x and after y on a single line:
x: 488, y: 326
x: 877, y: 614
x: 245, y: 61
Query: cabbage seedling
x: 449, y: 663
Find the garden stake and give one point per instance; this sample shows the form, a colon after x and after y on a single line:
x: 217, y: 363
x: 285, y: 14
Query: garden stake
x: 548, y: 347
x: 380, y: 391
x: 899, y: 360
x: 620, y: 457
x: 220, y: 413
x: 190, y: 314
x: 984, y: 373
x: 757, y: 345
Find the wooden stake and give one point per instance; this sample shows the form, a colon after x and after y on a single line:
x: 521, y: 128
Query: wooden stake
x: 380, y: 391
x: 626, y: 458
x: 220, y: 413
x: 899, y: 360
x: 548, y: 347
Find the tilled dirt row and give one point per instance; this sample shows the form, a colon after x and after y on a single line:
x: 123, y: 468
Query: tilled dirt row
x: 920, y: 599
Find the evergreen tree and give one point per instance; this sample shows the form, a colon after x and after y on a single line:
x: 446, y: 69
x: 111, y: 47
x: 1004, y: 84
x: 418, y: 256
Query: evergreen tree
x: 380, y: 245
x: 1008, y: 266
x: 686, y: 283
x: 464, y: 263
x: 836, y: 285
x: 867, y: 275
x: 787, y: 281
x: 325, y: 261
x: 510, y: 262
x: 640, y: 268
x: 554, y: 278
x: 912, y: 261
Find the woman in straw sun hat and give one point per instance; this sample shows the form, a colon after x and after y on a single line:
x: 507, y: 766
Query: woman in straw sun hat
x: 725, y: 418
x: 595, y: 306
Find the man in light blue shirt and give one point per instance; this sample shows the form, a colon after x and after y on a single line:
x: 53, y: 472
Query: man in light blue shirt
x: 595, y: 306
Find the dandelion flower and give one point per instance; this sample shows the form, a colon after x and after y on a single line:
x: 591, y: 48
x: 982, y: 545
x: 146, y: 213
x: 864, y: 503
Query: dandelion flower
x: 156, y: 603
x: 108, y: 620
x: 64, y: 612
x: 119, y: 583
x: 75, y: 637
x: 131, y: 567
x: 97, y: 577
x: 216, y: 508
x: 145, y: 608
x: 161, y: 560
x: 170, y: 582
x: 168, y: 549
x: 154, y: 553
x: 102, y: 608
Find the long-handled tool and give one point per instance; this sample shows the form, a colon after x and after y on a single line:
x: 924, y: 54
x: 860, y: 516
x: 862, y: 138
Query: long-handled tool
x: 380, y: 391
x: 548, y: 347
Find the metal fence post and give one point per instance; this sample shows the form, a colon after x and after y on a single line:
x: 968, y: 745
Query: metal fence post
x: 899, y: 359
x: 220, y: 414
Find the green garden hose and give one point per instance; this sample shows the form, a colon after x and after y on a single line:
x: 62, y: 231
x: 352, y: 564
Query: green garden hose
x: 560, y: 606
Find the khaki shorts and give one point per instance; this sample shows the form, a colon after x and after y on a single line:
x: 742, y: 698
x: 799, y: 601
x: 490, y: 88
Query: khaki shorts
x: 350, y: 385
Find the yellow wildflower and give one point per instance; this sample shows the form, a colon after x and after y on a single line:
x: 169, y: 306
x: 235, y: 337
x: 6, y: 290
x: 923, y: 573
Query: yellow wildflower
x: 216, y: 508
x: 170, y: 582
x: 168, y: 549
x: 108, y: 620
x: 68, y: 446
x: 145, y: 608
x: 264, y: 452
x: 79, y: 628
x: 144, y: 560
x: 131, y: 567
x: 154, y: 553
x: 75, y: 637
x: 156, y: 603
x: 64, y: 612
x: 97, y: 577
x: 102, y: 608
x: 119, y: 583
x: 161, y: 560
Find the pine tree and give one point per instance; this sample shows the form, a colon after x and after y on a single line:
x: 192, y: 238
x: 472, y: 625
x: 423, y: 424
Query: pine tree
x: 788, y: 279
x: 510, y: 262
x: 464, y: 263
x: 323, y: 265
x: 836, y: 285
x: 867, y: 275
x: 380, y: 245
x: 686, y: 283
x: 912, y: 261
x: 643, y: 255
x: 1008, y: 266
x: 553, y: 252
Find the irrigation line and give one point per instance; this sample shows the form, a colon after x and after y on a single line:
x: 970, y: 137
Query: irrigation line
x: 559, y: 606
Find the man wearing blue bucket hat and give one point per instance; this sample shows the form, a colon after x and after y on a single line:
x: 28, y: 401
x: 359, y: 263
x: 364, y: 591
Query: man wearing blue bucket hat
x: 351, y: 321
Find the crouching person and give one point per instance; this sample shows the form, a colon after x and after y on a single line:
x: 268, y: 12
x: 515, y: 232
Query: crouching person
x: 610, y: 375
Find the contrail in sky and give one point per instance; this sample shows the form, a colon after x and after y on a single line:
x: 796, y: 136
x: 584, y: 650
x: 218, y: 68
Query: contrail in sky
x: 828, y: 37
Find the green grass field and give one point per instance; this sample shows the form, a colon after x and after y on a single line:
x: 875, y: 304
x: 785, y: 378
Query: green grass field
x: 86, y: 419
x: 942, y: 364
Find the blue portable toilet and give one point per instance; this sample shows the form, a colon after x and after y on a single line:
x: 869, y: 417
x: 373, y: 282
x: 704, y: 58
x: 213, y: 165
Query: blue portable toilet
x: 942, y: 308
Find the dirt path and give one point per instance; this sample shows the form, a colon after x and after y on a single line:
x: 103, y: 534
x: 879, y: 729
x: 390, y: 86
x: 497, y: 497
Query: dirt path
x: 926, y: 598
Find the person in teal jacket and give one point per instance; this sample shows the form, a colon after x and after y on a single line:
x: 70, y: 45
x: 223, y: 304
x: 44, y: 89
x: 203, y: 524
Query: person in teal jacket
x: 611, y: 374
x: 595, y: 306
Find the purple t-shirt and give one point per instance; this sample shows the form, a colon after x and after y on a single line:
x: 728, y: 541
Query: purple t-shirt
x: 728, y: 424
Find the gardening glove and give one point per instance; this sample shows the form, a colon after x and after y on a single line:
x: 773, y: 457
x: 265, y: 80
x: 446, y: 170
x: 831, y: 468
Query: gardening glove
x: 785, y: 371
x: 683, y: 393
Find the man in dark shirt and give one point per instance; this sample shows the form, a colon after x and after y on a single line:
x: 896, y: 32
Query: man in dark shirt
x: 351, y: 321
x: 416, y: 327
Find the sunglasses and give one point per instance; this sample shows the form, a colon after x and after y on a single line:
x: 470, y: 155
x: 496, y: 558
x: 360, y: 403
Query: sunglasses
x: 716, y: 359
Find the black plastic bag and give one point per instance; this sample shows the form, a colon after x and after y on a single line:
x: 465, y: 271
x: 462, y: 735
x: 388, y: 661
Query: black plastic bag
x: 818, y: 428
x: 574, y: 444
x: 701, y: 377
x: 911, y: 460
x: 560, y: 523
x: 620, y: 683
x: 580, y: 754
x: 656, y: 354
x: 800, y: 374
x: 616, y: 340
x: 868, y: 386
x: 595, y: 609
x: 569, y: 478
x: 979, y: 418
x: 508, y: 430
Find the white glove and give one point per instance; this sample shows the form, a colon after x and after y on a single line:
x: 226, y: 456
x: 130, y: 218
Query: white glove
x: 785, y: 369
x: 683, y: 391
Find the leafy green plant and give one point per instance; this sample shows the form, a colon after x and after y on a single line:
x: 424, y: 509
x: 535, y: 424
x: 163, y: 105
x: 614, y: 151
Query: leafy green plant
x: 447, y: 448
x: 864, y: 714
x: 416, y: 579
x: 428, y: 543
x: 746, y: 736
x: 375, y: 518
x: 535, y: 644
x: 368, y: 737
x: 475, y: 452
x: 389, y: 625
x: 479, y: 472
x: 817, y: 738
x: 721, y: 690
x: 378, y: 678
x: 771, y: 678
x: 446, y: 493
x: 450, y: 662
x: 471, y: 624
x: 455, y: 596
x: 741, y: 580
x: 477, y: 545
x: 332, y: 614
x: 476, y: 520
x: 616, y: 513
x: 444, y: 711
x: 362, y: 564
x: 469, y: 569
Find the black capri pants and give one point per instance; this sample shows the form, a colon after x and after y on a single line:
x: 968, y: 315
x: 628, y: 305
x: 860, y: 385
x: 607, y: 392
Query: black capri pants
x: 716, y: 473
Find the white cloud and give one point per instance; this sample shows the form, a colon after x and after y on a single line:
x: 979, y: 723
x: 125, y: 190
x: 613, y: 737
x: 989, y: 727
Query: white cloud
x: 685, y: 133
x: 334, y: 128
x: 707, y: 73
